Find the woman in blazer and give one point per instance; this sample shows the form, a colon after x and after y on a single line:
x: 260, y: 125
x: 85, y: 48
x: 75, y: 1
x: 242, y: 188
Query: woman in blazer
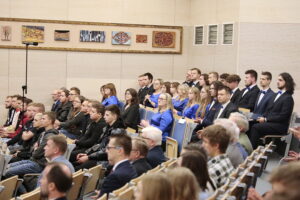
x: 130, y: 112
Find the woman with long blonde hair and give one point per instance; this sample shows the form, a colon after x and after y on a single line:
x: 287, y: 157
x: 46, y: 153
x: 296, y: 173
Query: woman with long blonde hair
x: 181, y: 100
x: 205, y: 100
x: 151, y: 100
x: 184, y: 184
x: 192, y: 105
x: 110, y: 94
x: 154, y: 187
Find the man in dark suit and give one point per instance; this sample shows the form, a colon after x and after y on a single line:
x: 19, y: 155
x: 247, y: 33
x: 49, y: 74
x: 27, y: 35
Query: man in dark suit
x: 118, y: 151
x: 233, y: 82
x: 153, y: 138
x: 142, y: 91
x: 148, y: 79
x: 138, y: 156
x: 264, y: 95
x: 55, y: 96
x: 226, y: 107
x: 188, y: 78
x: 195, y: 76
x: 56, y: 181
x: 276, y: 118
x: 249, y: 94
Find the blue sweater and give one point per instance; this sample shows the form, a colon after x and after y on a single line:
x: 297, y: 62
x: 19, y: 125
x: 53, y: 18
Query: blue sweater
x: 190, y: 112
x: 164, y: 122
x: 112, y: 100
x: 180, y: 105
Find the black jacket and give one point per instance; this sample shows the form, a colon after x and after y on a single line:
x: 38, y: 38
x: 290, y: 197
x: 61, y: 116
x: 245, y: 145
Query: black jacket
x: 131, y: 116
x: 235, y: 97
x: 63, y: 111
x: 74, y: 124
x: 141, y: 166
x: 92, y: 134
x: 230, y: 108
x: 248, y: 100
x: 38, y: 154
x: 97, y: 152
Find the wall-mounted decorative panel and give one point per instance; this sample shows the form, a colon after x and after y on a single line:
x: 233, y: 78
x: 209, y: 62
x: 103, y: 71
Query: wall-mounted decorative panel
x: 90, y: 36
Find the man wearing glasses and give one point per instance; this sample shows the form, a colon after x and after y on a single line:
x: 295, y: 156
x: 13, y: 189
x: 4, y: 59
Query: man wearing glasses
x: 118, y: 151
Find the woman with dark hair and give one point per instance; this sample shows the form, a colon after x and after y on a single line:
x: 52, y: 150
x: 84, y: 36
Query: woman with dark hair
x: 110, y: 94
x: 174, y: 89
x: 130, y: 112
x: 197, y: 163
x: 166, y: 88
x: 72, y: 128
x: 203, y: 81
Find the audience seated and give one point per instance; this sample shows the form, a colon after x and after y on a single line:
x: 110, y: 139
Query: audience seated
x: 114, y: 125
x: 249, y: 94
x: 37, y: 162
x: 264, y: 96
x: 210, y: 113
x: 205, y: 100
x: 184, y: 184
x: 56, y: 182
x: 195, y: 76
x: 118, y: 151
x: 154, y: 187
x: 226, y: 107
x: 110, y: 95
x: 180, y: 102
x: 166, y: 86
x: 174, y: 90
x: 235, y: 151
x: 10, y: 112
x: 188, y: 78
x: 277, y: 116
x: 138, y: 156
x: 151, y: 100
x: 28, y: 132
x: 93, y: 131
x: 233, y: 82
x: 243, y: 124
x: 142, y: 90
x: 28, y: 138
x: 196, y: 159
x: 148, y: 78
x: 213, y: 76
x: 72, y: 127
x: 153, y: 138
x: 163, y: 119
x: 55, y: 97
x: 130, y: 113
x: 193, y: 104
x: 223, y: 78
x: 215, y: 142
x: 203, y: 80
x: 64, y: 107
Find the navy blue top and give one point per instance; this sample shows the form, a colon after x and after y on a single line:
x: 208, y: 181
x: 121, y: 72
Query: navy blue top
x: 180, y: 105
x: 164, y: 122
x: 190, y: 112
x: 112, y: 100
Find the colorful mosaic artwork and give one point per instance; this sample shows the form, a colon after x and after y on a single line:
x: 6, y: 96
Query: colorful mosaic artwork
x: 61, y: 35
x: 121, y: 38
x: 5, y: 33
x: 33, y: 34
x: 92, y: 36
x: 163, y: 39
x: 141, y: 39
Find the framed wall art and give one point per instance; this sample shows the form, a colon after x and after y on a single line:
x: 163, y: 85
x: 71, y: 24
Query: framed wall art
x: 82, y: 36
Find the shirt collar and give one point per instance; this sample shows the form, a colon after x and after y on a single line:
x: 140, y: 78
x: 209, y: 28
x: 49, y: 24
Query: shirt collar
x: 235, y: 89
x: 118, y: 163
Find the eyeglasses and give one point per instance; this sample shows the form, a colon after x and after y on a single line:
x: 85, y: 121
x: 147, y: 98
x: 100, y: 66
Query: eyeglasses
x: 108, y: 148
x: 161, y: 98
